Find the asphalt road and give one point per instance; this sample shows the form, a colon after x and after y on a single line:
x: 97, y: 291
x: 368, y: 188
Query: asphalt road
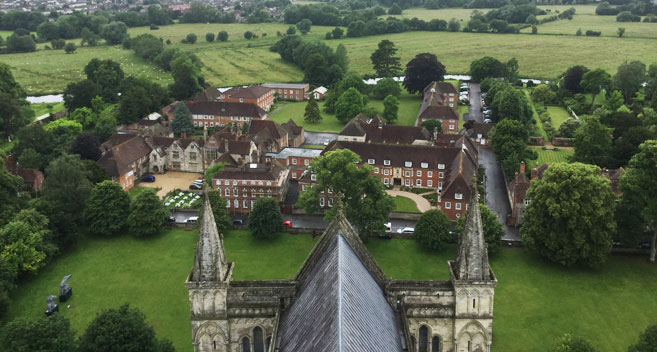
x: 317, y: 221
x: 319, y: 138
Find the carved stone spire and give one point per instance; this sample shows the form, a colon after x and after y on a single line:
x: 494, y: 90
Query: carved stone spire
x: 472, y: 256
x: 210, y: 258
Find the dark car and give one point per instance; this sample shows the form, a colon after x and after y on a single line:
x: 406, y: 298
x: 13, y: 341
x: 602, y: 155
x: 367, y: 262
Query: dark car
x: 238, y: 222
x: 616, y: 243
x: 149, y: 178
x: 644, y: 245
x: 195, y: 186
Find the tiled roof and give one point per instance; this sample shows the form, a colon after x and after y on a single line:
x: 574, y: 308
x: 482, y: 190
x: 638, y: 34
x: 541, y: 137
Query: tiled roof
x: 209, y: 94
x: 260, y: 172
x: 286, y: 85
x: 441, y: 87
x: 275, y: 130
x: 250, y: 92
x: 118, y: 160
x: 236, y: 147
x: 440, y: 112
x: 398, y: 154
x: 163, y: 142
x: 218, y: 108
x: 395, y: 134
x: 116, y: 139
x: 292, y: 128
x: 481, y: 128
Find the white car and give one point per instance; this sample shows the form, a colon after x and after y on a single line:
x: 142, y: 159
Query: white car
x: 192, y: 220
x: 406, y: 230
x: 388, y: 226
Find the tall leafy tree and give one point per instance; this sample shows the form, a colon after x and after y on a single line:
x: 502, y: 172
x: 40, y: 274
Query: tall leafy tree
x: 43, y: 334
x: 592, y: 142
x: 487, y: 67
x: 568, y: 229
x: 114, y: 32
x: 422, y: 70
x: 87, y: 146
x: 187, y: 78
x: 122, y: 329
x: 596, y: 81
x: 9, y: 189
x: 639, y: 187
x: 390, y: 108
x: 432, y: 230
x: 147, y: 214
x: 386, y: 86
x: 25, y: 241
x: 265, y: 220
x: 366, y: 203
x: 312, y: 113
x: 14, y: 109
x: 647, y: 341
x: 107, y: 209
x: 508, y: 140
x: 629, y: 78
x: 385, y: 59
x: 349, y: 105
x: 218, y: 204
x: 182, y: 120
x: 80, y: 94
x: 140, y: 97
x: 108, y: 75
x: 572, y: 78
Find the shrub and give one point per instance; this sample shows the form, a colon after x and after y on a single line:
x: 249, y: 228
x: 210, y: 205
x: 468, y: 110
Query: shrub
x: 58, y: 43
x: 209, y: 37
x: 265, y: 220
x: 154, y: 27
x: 627, y: 16
x: 432, y: 230
x: 579, y: 32
x: 248, y: 35
x: 190, y: 39
x: 70, y: 48
x: 591, y: 33
x: 222, y: 36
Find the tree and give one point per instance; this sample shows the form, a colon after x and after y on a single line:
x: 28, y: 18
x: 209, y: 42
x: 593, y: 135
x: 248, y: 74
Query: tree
x: 114, y: 32
x: 592, y: 142
x: 509, y: 103
x: 20, y: 43
x: 384, y: 59
x: 394, y: 9
x: 337, y: 33
x: 614, y: 101
x: 122, y: 329
x: 44, y: 334
x: 433, y: 124
x: 66, y: 186
x: 639, y: 187
x: 218, y: 204
x: 147, y: 214
x: 248, y: 35
x: 79, y: 95
x: 291, y: 30
x: 108, y: 75
x: 543, y: 94
x: 647, y: 341
x: 572, y: 78
x: 186, y: 72
x: 349, y: 105
x: 386, y: 86
x: 568, y: 128
x: 265, y: 220
x: 107, y: 209
x: 25, y: 241
x: 508, y: 140
x: 182, y: 120
x: 222, y: 36
x: 190, y: 38
x: 629, y: 78
x: 312, y: 113
x: 620, y: 32
x: 304, y: 25
x: 87, y: 146
x: 209, y: 37
x: 569, y: 229
x: 147, y: 46
x: 390, y: 108
x: 366, y: 204
x: 487, y: 67
x: 568, y: 343
x: 595, y: 81
x: 453, y: 25
x: 70, y: 48
x: 139, y: 98
x: 422, y: 70
x: 15, y: 111
x: 432, y: 230
x: 29, y: 159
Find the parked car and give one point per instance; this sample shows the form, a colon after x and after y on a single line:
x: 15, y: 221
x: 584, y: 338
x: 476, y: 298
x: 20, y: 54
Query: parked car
x: 192, y: 220
x: 616, y: 243
x: 197, y: 182
x: 195, y: 187
x: 406, y: 230
x: 238, y: 222
x: 388, y: 226
x: 287, y: 224
x: 149, y: 178
x: 644, y: 245
x: 172, y: 219
x: 488, y: 121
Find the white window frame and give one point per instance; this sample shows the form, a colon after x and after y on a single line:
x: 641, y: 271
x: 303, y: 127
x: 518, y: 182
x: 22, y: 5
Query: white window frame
x: 441, y: 166
x: 385, y: 181
x: 386, y: 162
x: 429, y: 183
x: 407, y: 173
x: 458, y: 195
x: 294, y: 161
x: 448, y: 205
x: 227, y: 192
x: 418, y: 182
x: 376, y: 170
x: 321, y: 201
x: 418, y: 173
x: 245, y: 204
x: 306, y: 162
x: 370, y: 161
x: 313, y: 177
x: 236, y: 203
x: 386, y: 172
x: 441, y: 175
x: 424, y: 165
x: 407, y: 182
x: 408, y: 164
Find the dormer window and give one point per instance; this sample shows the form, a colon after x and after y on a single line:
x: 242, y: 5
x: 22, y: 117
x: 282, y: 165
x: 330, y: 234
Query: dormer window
x: 386, y: 162
x: 313, y: 177
x: 458, y: 195
x: 441, y: 166
x: 424, y: 165
x: 408, y: 164
x: 370, y: 161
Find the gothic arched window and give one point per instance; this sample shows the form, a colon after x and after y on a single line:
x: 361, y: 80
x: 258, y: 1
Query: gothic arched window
x: 245, y: 344
x: 258, y: 340
x: 423, y: 340
x: 436, y: 344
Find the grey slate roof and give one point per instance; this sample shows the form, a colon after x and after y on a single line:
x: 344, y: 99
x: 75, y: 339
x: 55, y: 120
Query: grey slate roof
x: 339, y: 307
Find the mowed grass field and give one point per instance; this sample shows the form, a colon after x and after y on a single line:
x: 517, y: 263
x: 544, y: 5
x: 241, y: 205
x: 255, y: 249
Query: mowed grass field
x: 405, y: 205
x: 559, y: 155
x: 558, y: 115
x: 535, y: 301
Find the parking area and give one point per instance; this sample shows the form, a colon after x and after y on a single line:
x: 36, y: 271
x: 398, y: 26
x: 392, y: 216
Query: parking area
x: 171, y: 180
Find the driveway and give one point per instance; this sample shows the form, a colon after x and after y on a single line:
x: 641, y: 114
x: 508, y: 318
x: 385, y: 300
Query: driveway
x: 171, y: 180
x: 319, y: 138
x: 475, y: 103
x: 423, y: 204
x: 496, y: 197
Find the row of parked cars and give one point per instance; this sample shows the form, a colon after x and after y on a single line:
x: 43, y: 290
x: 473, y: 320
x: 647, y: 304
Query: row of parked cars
x: 464, y: 93
x: 485, y: 109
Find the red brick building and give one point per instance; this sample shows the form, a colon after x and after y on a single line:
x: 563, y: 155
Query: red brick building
x: 219, y: 114
x: 125, y: 159
x: 242, y: 185
x: 269, y: 136
x: 291, y: 91
x: 294, y: 159
x: 261, y: 96
x: 440, y: 99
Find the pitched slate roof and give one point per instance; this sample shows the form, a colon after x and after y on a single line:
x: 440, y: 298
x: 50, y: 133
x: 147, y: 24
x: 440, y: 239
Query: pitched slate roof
x: 440, y: 112
x: 340, y: 305
x: 117, y: 161
x: 275, y: 130
x: 250, y: 92
x: 219, y: 108
x: 398, y: 154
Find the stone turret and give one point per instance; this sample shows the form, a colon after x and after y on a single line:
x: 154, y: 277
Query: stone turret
x: 210, y: 257
x: 472, y: 258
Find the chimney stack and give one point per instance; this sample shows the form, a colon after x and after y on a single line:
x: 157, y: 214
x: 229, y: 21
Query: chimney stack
x: 183, y: 135
x: 226, y: 146
x: 435, y: 133
x: 522, y: 167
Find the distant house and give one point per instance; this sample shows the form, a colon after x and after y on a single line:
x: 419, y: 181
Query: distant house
x: 268, y: 136
x: 439, y: 102
x: 219, y: 114
x: 479, y: 131
x: 32, y: 178
x: 125, y: 159
x: 319, y: 93
x: 295, y: 133
x: 295, y: 159
x: 261, y: 96
x: 375, y: 130
x: 291, y: 91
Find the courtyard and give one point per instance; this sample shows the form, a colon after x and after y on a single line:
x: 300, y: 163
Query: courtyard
x: 535, y: 301
x: 171, y: 180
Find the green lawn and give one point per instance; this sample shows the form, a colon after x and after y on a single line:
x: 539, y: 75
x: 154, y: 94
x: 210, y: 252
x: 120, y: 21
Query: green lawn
x: 405, y: 205
x: 535, y: 301
x: 137, y: 190
x: 409, y: 106
x: 42, y: 108
x: 559, y: 155
x: 605, y: 24
x: 539, y: 125
x: 558, y: 115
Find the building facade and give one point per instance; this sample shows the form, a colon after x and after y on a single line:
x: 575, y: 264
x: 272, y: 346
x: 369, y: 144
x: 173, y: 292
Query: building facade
x: 440, y: 100
x: 340, y: 300
x: 242, y: 185
x: 290, y: 91
x: 261, y: 96
x: 214, y: 114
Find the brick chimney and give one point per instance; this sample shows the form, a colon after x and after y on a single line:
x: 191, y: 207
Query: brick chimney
x: 226, y: 146
x: 435, y: 133
x: 522, y: 167
x: 183, y: 135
